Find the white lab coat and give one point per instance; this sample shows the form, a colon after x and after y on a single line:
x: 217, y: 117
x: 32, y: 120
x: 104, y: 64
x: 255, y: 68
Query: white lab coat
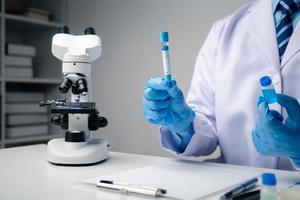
x: 238, y: 51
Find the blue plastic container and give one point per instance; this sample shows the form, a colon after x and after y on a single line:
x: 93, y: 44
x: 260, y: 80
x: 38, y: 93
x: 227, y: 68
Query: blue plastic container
x: 268, y: 89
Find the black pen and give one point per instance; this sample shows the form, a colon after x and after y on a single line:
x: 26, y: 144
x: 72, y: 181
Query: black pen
x: 240, y: 189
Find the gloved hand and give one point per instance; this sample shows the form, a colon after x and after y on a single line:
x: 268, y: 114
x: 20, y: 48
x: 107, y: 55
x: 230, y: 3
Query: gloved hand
x: 274, y: 137
x: 164, y: 105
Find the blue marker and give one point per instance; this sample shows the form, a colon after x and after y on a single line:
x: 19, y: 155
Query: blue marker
x: 164, y: 39
x: 268, y: 89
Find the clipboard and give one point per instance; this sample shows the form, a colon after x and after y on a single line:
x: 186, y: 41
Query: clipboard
x: 188, y: 180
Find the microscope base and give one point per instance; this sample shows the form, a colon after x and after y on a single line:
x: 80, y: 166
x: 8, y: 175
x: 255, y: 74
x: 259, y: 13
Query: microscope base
x: 77, y: 153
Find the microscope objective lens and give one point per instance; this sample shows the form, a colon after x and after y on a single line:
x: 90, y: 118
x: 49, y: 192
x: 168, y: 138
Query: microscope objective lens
x: 82, y: 86
x: 65, y: 85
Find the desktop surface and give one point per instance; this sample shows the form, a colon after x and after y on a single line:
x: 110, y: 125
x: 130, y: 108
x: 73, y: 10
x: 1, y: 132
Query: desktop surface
x: 25, y: 174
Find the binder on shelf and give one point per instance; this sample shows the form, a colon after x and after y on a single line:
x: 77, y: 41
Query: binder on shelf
x: 20, y: 50
x: 37, y: 16
x: 33, y: 12
x: 23, y: 131
x: 13, y: 97
x: 23, y: 108
x: 25, y: 119
x: 18, y: 72
x: 38, y: 11
x: 18, y: 61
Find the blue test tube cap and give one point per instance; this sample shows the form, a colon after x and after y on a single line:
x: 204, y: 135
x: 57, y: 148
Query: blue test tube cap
x: 265, y: 81
x: 269, y: 179
x: 164, y: 37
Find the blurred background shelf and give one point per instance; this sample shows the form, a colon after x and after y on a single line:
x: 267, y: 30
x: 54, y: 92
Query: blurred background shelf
x: 33, y: 80
x: 28, y: 20
x: 32, y: 139
x: 28, y: 24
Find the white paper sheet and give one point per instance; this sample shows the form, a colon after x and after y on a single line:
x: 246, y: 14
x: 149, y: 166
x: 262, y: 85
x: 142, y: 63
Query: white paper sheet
x: 183, y: 179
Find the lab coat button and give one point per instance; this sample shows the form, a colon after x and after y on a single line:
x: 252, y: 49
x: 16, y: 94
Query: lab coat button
x: 276, y: 79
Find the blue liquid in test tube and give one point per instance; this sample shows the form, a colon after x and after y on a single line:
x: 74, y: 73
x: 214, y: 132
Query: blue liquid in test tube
x: 268, y: 89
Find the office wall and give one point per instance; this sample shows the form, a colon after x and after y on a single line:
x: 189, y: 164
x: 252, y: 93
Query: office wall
x: 131, y: 54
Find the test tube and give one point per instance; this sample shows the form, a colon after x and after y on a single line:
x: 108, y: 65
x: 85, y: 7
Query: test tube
x: 268, y: 188
x: 164, y: 40
x: 268, y: 89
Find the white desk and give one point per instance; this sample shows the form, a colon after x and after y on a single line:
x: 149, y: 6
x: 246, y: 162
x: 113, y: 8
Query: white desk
x: 25, y: 174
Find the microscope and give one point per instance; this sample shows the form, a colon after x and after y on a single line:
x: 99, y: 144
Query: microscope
x: 79, y: 116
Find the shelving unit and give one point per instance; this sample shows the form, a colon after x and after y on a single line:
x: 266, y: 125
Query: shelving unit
x: 47, y: 69
x: 33, y: 81
x: 31, y: 20
x: 31, y: 139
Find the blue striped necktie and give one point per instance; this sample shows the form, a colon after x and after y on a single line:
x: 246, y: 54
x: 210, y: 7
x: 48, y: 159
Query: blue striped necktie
x: 284, y: 28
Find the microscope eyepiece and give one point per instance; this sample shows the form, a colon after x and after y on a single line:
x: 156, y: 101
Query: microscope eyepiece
x: 82, y: 86
x: 65, y: 85
x: 89, y: 31
x: 64, y: 29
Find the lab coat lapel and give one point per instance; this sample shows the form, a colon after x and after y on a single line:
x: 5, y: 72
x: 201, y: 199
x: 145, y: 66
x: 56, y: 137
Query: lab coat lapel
x: 261, y: 24
x: 293, y: 46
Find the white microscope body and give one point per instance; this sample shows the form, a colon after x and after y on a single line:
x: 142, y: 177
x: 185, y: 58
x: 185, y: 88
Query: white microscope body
x: 79, y: 116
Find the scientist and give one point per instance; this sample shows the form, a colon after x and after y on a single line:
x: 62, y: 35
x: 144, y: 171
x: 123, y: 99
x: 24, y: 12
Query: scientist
x: 223, y: 107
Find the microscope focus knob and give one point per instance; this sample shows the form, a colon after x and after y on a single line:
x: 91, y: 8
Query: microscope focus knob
x: 60, y: 120
x: 89, y: 31
x: 56, y: 120
x: 102, y: 122
x: 95, y: 122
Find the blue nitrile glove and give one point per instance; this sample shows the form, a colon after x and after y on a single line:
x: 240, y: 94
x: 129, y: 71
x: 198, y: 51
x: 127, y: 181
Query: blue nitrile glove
x: 164, y: 105
x: 274, y: 137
